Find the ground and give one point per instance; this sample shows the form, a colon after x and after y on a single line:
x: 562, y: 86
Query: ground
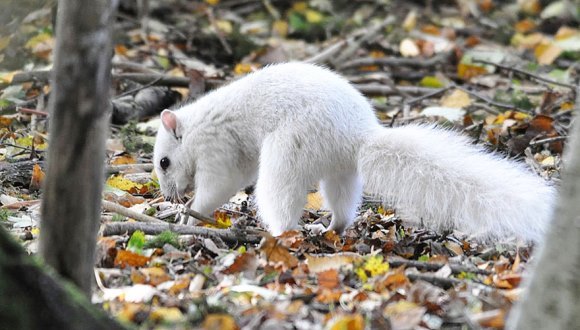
x: 501, y: 73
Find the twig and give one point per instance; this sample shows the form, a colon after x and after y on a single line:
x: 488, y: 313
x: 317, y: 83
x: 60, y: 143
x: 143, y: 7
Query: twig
x: 444, y: 282
x: 490, y: 101
x: 112, y: 207
x: 526, y: 73
x: 355, y: 45
x: 131, y: 91
x: 142, y: 78
x: 201, y: 217
x: 327, y: 53
x: 548, y: 140
x: 428, y: 95
x: 375, y: 89
x: 32, y: 111
x: 114, y: 169
x: 455, y: 269
x: 218, y: 32
x: 398, y: 61
x: 118, y: 228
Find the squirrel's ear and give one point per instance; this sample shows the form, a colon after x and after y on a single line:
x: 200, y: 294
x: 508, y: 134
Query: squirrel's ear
x: 169, y: 121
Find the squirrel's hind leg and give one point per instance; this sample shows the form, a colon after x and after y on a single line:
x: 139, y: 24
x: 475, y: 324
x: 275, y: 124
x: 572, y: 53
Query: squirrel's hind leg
x: 342, y: 193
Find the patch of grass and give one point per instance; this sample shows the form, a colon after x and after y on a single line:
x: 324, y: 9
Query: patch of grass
x: 165, y: 237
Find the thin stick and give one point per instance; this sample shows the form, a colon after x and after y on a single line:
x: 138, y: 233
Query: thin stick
x: 490, y: 101
x: 548, y: 140
x: 327, y: 53
x: 119, y: 228
x: 526, y: 73
x: 113, y: 207
x: 398, y: 61
x: 426, y: 96
x: 376, y: 89
x: 455, y: 269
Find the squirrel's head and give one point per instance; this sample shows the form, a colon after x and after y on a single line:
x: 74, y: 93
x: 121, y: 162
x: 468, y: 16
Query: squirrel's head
x: 170, y: 158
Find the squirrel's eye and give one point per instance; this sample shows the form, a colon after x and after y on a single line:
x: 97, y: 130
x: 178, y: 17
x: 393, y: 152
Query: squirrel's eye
x: 164, y: 163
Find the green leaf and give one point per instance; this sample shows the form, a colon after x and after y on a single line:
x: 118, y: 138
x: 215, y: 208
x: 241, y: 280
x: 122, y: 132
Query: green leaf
x: 136, y: 242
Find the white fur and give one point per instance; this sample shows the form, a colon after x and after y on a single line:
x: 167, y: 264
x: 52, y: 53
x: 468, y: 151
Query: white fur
x: 290, y: 126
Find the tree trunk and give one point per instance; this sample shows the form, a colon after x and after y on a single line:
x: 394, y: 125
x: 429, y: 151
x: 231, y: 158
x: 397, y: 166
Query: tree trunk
x: 79, y: 108
x: 553, y: 297
x: 33, y: 298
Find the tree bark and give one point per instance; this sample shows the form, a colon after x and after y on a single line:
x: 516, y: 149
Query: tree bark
x: 553, y: 297
x: 79, y: 108
x: 34, y: 298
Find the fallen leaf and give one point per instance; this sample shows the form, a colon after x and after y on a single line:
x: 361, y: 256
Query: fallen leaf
x: 328, y: 279
x: 37, y: 178
x: 166, y: 314
x: 126, y: 258
x: 408, y: 48
x: 277, y: 253
x: 546, y: 54
x: 347, y: 322
x: 314, y: 201
x: 335, y: 261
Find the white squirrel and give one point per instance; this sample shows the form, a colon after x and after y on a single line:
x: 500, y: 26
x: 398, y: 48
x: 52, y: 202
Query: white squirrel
x: 289, y: 126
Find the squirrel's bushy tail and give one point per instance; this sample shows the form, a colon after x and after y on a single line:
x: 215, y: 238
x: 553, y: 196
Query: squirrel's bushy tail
x: 438, y: 177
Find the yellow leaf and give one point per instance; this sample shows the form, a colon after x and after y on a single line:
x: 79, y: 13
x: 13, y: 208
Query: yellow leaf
x: 528, y: 41
x: 4, y: 42
x: 120, y: 182
x: 280, y: 28
x: 399, y: 307
x: 219, y: 321
x: 467, y: 71
x: 348, y: 322
x: 566, y: 32
x: 313, y: 17
x: 224, y: 26
x: 300, y: 6
x: 457, y: 99
x: 547, y: 53
x: 410, y: 21
x: 6, y: 77
x: 314, y: 201
x: 212, y: 2
x: 431, y: 81
x: 375, y: 265
x: 166, y: 314
x: 243, y: 68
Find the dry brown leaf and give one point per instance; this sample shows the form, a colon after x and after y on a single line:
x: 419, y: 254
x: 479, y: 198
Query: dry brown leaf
x: 291, y: 239
x: 525, y: 25
x: 242, y: 262
x: 126, y: 258
x: 467, y: 71
x: 277, y: 253
x: 328, y: 279
x: 153, y: 276
x: 490, y: 319
x: 37, y: 178
x: 166, y: 314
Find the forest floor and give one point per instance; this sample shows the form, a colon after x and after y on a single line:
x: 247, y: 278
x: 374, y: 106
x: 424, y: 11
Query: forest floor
x: 502, y: 73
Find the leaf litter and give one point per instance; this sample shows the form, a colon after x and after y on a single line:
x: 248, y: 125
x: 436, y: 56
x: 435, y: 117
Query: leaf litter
x: 382, y: 273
